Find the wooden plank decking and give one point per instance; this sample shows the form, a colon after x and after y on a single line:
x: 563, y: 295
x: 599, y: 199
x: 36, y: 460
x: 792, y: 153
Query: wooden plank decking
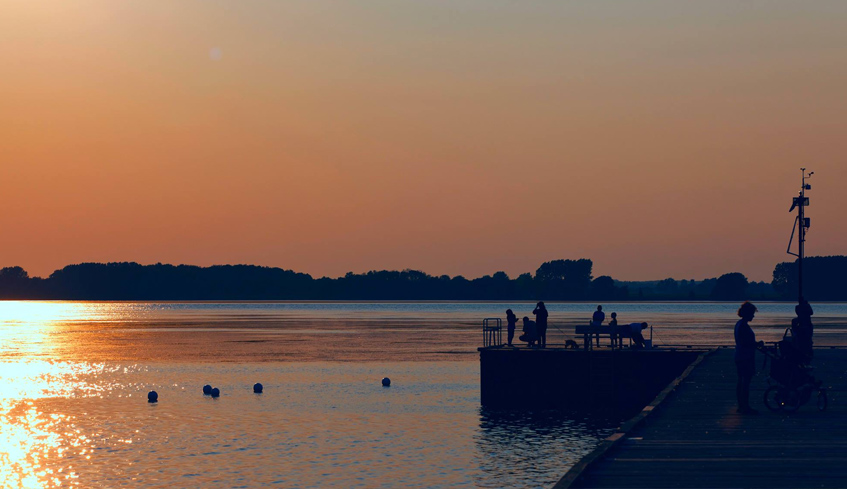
x: 694, y: 438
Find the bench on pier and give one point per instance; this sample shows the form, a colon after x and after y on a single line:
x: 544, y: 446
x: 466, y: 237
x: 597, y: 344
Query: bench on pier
x: 621, y: 331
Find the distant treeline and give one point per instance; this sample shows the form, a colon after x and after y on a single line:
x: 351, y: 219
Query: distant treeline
x: 553, y: 280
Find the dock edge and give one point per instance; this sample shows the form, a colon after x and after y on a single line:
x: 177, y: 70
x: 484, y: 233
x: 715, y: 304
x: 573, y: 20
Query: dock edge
x: 608, y: 443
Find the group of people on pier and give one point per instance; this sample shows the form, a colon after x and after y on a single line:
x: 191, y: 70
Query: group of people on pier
x: 633, y: 330
x: 535, y: 332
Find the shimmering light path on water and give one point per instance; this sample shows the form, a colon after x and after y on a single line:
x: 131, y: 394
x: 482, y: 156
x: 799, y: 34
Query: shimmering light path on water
x: 316, y: 425
x: 74, y: 378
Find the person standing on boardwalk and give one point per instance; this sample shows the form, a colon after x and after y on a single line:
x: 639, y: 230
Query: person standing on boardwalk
x: 745, y: 356
x: 597, y: 320
x: 511, y: 321
x: 541, y: 323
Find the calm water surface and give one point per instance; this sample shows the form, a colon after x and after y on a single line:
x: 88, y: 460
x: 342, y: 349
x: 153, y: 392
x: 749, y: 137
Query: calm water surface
x: 316, y: 425
x: 74, y: 378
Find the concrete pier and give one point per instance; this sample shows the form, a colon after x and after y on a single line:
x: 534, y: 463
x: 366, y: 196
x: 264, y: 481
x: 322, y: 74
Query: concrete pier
x: 615, y: 382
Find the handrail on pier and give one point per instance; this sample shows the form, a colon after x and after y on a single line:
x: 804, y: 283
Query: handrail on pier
x: 492, y: 334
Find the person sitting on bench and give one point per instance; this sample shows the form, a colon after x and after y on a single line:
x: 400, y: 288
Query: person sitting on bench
x: 635, y: 334
x: 614, y: 322
x: 802, y: 331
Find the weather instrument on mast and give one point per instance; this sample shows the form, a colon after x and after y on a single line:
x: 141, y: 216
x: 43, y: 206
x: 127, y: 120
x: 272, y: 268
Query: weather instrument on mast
x: 802, y: 223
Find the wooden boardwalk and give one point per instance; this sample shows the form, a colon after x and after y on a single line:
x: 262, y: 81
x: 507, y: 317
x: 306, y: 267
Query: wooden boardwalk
x: 694, y: 437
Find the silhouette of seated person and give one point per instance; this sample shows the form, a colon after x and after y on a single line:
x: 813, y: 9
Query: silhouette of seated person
x: 635, y: 334
x: 799, y: 348
x: 612, y: 335
x: 530, y: 332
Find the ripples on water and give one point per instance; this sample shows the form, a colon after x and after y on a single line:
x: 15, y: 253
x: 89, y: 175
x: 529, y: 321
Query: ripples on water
x: 316, y: 425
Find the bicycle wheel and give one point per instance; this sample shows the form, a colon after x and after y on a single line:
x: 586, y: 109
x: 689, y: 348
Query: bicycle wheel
x: 822, y: 401
x: 772, y: 399
x: 790, y: 399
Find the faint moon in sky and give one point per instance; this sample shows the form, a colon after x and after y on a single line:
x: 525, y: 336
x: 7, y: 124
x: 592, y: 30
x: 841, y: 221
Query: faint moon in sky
x: 215, y: 54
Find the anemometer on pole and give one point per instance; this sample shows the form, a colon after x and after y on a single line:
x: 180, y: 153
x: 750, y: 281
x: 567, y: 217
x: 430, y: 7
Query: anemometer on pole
x: 804, y: 222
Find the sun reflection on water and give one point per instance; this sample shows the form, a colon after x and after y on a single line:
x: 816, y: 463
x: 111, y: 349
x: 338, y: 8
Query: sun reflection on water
x: 33, y: 441
x: 27, y: 328
x: 29, y: 438
x: 47, y: 312
x: 40, y: 443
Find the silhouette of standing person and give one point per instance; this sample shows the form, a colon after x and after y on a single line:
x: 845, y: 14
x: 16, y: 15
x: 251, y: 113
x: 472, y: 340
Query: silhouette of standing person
x: 745, y: 356
x: 597, y: 320
x: 541, y: 323
x: 511, y: 322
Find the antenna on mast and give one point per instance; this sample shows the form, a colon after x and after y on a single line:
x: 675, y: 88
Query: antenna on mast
x: 802, y: 223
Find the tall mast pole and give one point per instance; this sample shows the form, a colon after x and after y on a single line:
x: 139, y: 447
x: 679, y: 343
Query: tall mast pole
x: 802, y: 222
x: 802, y: 236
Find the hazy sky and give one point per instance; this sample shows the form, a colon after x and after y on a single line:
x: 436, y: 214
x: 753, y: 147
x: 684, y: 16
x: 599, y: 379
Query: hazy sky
x: 658, y: 138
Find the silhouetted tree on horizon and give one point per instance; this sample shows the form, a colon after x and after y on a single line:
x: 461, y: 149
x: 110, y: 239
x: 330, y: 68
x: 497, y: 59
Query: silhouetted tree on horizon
x: 564, y: 279
x: 14, y: 283
x: 730, y: 286
x: 604, y: 288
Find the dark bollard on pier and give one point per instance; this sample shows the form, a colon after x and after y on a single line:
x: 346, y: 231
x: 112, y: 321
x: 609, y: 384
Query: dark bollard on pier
x: 152, y: 396
x: 257, y: 388
x: 386, y: 382
x: 207, y: 390
x: 215, y: 392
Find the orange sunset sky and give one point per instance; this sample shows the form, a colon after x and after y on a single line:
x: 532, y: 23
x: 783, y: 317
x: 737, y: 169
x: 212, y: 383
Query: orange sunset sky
x: 658, y: 138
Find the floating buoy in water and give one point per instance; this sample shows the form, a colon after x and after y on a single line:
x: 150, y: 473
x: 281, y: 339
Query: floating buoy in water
x: 386, y: 382
x: 257, y: 388
x: 152, y: 396
x: 216, y: 392
x: 207, y: 389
